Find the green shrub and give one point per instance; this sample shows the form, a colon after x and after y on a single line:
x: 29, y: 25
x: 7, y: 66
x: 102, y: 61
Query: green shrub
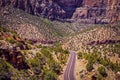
x: 102, y: 71
x: 65, y: 51
x: 79, y: 55
x: 3, y: 29
x: 29, y: 46
x: 49, y: 75
x: 5, y: 68
x: 62, y: 58
x: 37, y: 63
x: 39, y: 46
x: 55, y: 67
x: 12, y: 41
x: 104, y: 62
x: 91, y: 57
x: 18, y: 44
x: 29, y: 41
x: 115, y: 67
x: 99, y: 77
x: 89, y: 66
x: 46, y: 52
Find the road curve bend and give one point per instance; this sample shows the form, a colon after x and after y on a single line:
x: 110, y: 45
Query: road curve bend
x: 69, y: 71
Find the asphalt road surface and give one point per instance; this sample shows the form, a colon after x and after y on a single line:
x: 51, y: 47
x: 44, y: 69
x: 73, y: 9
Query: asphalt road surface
x: 69, y: 72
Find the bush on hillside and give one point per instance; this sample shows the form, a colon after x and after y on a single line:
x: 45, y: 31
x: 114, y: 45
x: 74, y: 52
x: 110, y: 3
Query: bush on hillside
x: 102, y: 71
x: 89, y: 66
x: 79, y: 55
x: 55, y: 67
x: 49, y: 75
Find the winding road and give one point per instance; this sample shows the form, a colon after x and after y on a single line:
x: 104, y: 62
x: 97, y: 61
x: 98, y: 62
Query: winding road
x: 69, y: 72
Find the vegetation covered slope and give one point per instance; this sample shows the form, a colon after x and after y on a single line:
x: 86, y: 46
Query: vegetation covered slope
x: 102, y: 62
x: 33, y: 27
x: 101, y: 65
x: 102, y: 34
x: 98, y: 56
x: 20, y: 59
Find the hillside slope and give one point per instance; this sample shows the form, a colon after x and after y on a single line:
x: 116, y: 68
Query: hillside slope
x: 98, y: 53
x: 95, y: 35
x: 33, y: 27
x: 20, y: 59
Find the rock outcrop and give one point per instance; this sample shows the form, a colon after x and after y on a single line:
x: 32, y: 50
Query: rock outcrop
x: 15, y: 58
x: 99, y: 11
x: 87, y: 11
x: 10, y: 46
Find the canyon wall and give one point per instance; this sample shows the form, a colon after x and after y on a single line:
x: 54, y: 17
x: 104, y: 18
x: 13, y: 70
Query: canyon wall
x: 84, y: 11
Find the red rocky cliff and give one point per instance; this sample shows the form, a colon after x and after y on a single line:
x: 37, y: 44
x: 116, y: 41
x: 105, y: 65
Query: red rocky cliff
x: 87, y: 11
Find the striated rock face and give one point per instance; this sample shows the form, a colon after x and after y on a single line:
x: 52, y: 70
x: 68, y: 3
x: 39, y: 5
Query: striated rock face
x: 52, y: 9
x: 87, y: 11
x: 98, y: 11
